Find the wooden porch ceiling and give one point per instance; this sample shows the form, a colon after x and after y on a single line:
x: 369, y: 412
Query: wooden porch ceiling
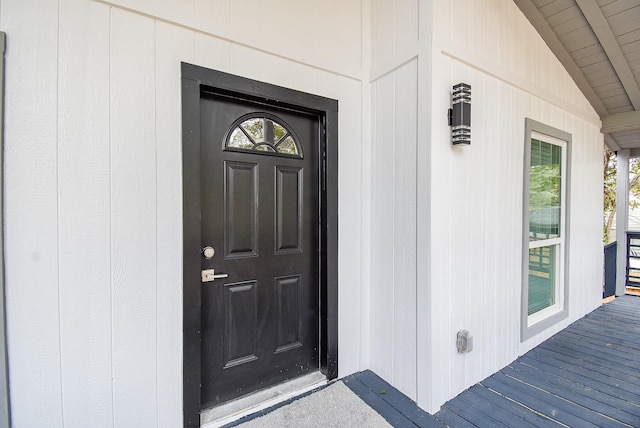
x: 598, y: 42
x: 585, y: 376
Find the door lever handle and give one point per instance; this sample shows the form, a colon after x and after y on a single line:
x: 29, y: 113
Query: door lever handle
x: 209, y: 275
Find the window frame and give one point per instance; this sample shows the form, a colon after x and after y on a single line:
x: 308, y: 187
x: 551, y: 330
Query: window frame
x: 551, y: 315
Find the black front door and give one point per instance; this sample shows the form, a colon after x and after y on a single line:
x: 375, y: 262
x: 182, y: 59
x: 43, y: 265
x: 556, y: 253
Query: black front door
x: 259, y: 193
x: 260, y: 287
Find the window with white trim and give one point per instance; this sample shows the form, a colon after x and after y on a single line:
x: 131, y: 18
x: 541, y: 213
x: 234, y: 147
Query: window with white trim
x: 544, y: 291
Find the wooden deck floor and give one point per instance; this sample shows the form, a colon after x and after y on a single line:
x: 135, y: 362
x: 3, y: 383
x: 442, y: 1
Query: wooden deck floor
x: 588, y: 375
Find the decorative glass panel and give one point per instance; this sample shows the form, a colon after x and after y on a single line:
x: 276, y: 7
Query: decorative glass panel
x: 239, y: 140
x: 288, y: 146
x: 542, y: 278
x: 278, y: 132
x: 545, y: 187
x: 255, y: 129
x: 265, y: 148
x: 260, y: 133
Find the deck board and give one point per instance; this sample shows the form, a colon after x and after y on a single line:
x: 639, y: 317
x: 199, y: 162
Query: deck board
x: 519, y: 412
x: 586, y: 375
x: 541, y: 401
x: 398, y: 409
x: 595, y: 384
x: 577, y: 388
x: 494, y: 413
x: 565, y: 363
x: 570, y: 393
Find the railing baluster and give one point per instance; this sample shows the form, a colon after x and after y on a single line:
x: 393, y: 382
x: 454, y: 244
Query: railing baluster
x: 633, y: 260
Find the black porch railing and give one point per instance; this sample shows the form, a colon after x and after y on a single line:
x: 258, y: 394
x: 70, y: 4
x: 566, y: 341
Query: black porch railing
x: 610, y: 252
x: 633, y: 260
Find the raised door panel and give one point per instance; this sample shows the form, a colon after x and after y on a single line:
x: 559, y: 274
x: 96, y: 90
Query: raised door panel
x: 240, y: 321
x: 288, y: 209
x: 288, y: 320
x: 241, y: 209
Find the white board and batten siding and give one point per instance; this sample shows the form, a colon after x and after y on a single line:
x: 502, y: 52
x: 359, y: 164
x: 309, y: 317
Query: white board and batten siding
x: 476, y: 240
x: 446, y: 234
x: 446, y: 229
x: 32, y: 265
x: 430, y: 235
x: 394, y: 83
x: 94, y: 196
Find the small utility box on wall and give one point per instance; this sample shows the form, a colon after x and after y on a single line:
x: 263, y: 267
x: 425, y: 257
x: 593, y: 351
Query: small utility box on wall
x: 464, y: 342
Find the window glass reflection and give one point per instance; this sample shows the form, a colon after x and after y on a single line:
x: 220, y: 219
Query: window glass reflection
x: 545, y: 177
x: 264, y: 135
x: 542, y: 278
x: 239, y: 140
x: 255, y: 129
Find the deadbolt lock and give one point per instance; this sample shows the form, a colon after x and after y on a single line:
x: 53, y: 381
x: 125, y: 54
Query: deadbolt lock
x: 208, y: 252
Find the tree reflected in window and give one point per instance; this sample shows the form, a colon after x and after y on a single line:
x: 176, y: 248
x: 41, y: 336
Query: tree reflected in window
x: 262, y: 134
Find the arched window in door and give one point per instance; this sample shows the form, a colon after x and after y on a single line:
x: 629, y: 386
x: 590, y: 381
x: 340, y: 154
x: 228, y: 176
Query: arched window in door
x: 262, y: 133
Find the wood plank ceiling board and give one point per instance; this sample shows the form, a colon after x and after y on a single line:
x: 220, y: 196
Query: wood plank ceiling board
x: 612, y: 91
x: 570, y: 19
x: 623, y: 22
x: 598, y: 43
x: 589, y: 55
x: 578, y: 39
x: 609, y: 7
x: 605, y: 29
x: 631, y: 49
x: 555, y: 6
x: 629, y: 37
x: 618, y: 110
x: 626, y: 121
x: 616, y: 101
x: 546, y: 32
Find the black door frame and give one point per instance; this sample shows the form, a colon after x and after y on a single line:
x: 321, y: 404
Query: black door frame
x: 196, y: 79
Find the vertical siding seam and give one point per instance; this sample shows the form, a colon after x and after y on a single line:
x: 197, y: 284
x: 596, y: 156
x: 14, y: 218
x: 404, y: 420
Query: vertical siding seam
x: 395, y: 50
x: 483, y: 270
x: 372, y: 46
x: 467, y: 229
x: 113, y: 410
x: 262, y: 31
x: 362, y: 183
x: 393, y: 223
x: 450, y: 250
x: 416, y: 196
x: 373, y: 282
x: 58, y: 212
x: 155, y: 155
x: 364, y: 86
x: 230, y: 67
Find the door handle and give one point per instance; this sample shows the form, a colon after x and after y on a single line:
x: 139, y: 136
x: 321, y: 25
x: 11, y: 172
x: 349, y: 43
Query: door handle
x: 209, y: 275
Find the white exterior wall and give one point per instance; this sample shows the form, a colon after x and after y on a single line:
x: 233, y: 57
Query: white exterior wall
x: 477, y: 240
x: 447, y: 222
x: 94, y: 196
x: 396, y: 79
x: 430, y: 235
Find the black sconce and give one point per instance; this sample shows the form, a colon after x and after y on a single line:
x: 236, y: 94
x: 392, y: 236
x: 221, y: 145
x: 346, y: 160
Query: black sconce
x: 460, y: 114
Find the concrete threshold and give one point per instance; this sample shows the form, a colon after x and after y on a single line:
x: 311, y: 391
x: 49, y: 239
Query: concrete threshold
x: 236, y: 409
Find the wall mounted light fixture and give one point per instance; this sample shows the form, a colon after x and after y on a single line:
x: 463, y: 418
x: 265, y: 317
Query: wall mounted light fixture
x: 460, y: 114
